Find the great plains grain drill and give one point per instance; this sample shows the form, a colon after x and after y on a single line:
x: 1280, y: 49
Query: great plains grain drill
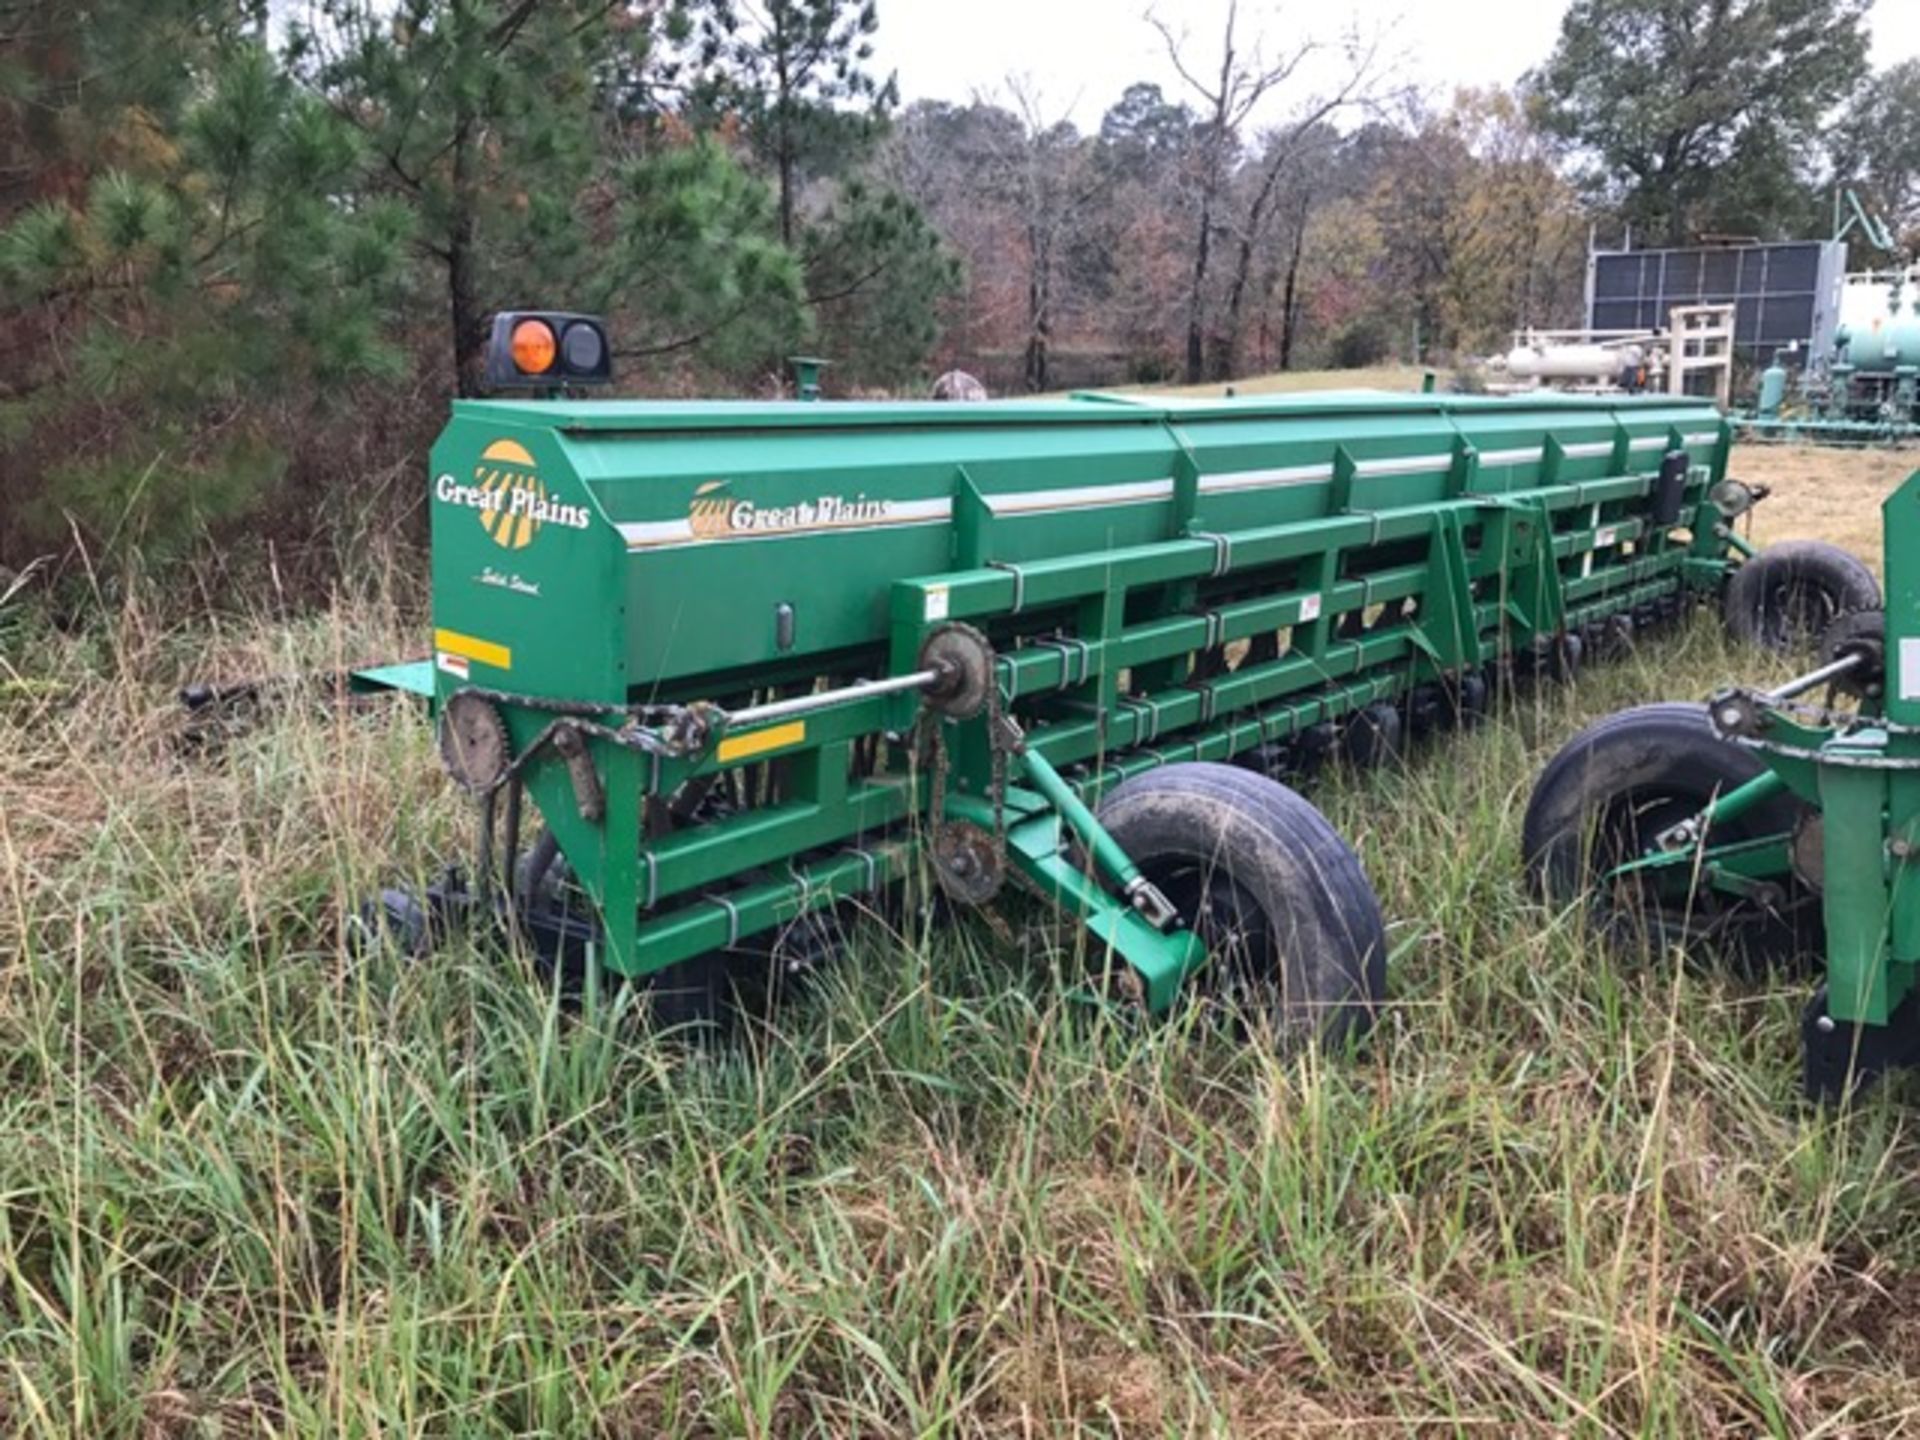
x: 717, y: 672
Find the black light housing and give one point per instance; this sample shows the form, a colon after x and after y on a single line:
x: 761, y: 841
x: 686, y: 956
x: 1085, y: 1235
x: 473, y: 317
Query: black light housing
x: 572, y: 351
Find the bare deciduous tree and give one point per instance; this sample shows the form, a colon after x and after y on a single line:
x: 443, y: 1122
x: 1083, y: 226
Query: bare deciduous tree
x: 1050, y: 179
x: 1227, y: 99
x: 1286, y: 147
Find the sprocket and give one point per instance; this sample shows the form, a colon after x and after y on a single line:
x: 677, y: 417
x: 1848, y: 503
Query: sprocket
x: 473, y: 743
x: 963, y: 660
x: 968, y: 862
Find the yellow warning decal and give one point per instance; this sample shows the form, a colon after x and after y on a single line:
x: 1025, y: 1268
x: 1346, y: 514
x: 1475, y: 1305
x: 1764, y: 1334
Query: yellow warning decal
x: 485, y: 651
x: 759, y: 742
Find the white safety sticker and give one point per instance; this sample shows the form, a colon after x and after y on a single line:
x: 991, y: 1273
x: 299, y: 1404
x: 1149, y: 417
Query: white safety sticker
x: 453, y: 664
x: 1310, y: 608
x: 1910, y: 668
x: 937, y: 600
x: 1605, y: 536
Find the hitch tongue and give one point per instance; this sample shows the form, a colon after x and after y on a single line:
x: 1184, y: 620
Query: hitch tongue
x: 1145, y: 897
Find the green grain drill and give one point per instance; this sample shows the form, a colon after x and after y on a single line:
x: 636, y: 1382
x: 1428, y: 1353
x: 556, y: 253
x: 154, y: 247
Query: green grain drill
x: 1777, y: 826
x: 719, y: 673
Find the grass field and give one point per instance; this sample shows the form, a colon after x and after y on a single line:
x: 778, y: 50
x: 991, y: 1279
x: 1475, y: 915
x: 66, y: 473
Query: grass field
x: 1376, y: 377
x: 250, y: 1184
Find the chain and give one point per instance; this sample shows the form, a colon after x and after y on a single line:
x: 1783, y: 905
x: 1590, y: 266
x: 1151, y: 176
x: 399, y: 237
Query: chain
x: 936, y: 748
x: 1002, y: 735
x: 1003, y: 738
x: 670, y: 730
x: 645, y: 714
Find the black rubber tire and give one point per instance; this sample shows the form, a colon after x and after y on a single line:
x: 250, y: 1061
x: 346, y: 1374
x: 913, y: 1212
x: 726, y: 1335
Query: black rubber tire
x: 1555, y: 658
x: 1616, y: 637
x: 1374, y: 736
x: 1429, y: 709
x: 1471, y: 696
x: 1611, y: 788
x: 692, y: 995
x: 1786, y: 595
x: 396, y: 920
x: 1257, y: 870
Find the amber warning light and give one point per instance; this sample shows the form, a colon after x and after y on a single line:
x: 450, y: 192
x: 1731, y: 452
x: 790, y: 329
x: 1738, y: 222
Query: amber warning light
x: 547, y: 351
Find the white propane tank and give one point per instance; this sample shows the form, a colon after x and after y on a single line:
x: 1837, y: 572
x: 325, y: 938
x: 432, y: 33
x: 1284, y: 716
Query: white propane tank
x: 1596, y: 363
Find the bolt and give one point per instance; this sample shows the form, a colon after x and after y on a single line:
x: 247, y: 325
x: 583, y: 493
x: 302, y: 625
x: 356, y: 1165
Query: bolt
x: 1824, y: 1024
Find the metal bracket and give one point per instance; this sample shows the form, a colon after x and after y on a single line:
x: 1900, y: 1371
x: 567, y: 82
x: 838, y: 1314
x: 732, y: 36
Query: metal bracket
x: 1019, y: 583
x: 1222, y: 550
x: 1152, y: 903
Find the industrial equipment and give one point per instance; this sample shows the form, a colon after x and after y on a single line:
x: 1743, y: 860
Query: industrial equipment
x: 1777, y: 825
x: 1783, y: 295
x: 749, y: 664
x: 1860, y: 383
x: 1695, y: 346
x: 1867, y: 389
x: 1624, y: 361
x: 1873, y: 379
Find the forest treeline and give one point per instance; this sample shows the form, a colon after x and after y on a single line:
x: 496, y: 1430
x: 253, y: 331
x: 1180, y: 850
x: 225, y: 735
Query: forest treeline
x: 248, y: 249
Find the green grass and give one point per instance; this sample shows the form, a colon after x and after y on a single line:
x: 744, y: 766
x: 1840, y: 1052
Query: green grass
x: 1285, y: 382
x: 250, y: 1184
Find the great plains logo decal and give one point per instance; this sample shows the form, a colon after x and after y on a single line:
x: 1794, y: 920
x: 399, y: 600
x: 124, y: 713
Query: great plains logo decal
x: 510, y: 497
x: 716, y: 515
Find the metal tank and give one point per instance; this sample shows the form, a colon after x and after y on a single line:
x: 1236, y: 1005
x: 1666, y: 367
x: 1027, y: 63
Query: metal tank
x: 1880, y: 322
x: 1773, y: 387
x: 1542, y: 360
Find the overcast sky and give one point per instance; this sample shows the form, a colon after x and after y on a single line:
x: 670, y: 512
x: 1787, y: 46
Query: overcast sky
x: 1080, y: 54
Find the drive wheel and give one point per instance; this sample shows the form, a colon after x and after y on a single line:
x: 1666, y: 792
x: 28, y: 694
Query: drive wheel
x: 1613, y: 789
x: 1292, y: 928
x: 1784, y: 597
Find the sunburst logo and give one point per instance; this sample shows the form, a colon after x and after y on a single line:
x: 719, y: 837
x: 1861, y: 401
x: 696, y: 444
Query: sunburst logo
x: 711, y: 513
x: 511, y: 492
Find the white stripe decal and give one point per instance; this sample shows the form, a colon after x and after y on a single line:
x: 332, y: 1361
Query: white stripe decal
x: 1525, y: 455
x: 1230, y: 480
x: 1403, y: 465
x: 648, y: 534
x: 1072, y: 497
x: 1702, y: 437
x: 655, y: 532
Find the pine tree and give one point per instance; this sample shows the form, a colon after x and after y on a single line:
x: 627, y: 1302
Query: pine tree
x: 878, y: 276
x: 527, y: 140
x: 796, y: 71
x: 194, y: 272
